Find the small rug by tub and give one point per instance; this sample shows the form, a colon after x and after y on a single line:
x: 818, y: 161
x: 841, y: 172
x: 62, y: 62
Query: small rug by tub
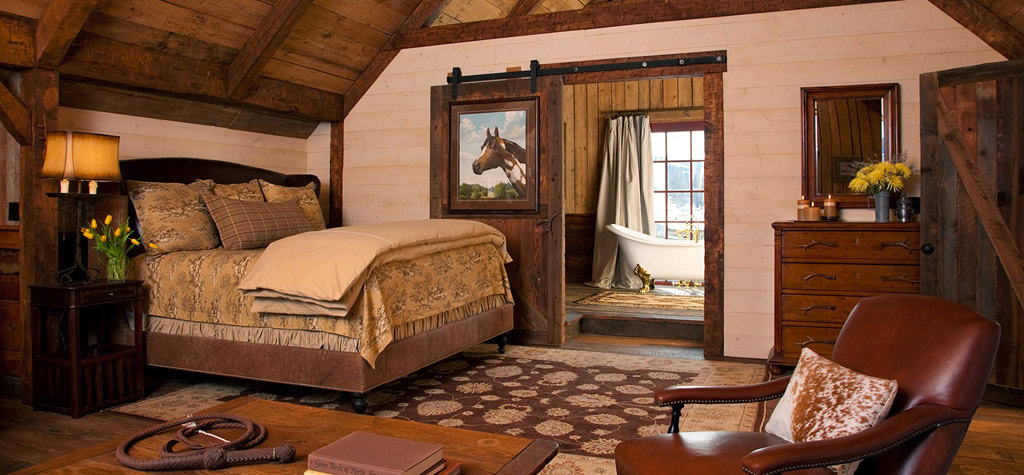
x: 636, y: 299
x: 585, y: 401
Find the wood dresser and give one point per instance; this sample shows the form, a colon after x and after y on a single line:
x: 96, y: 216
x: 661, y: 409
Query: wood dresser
x: 823, y: 269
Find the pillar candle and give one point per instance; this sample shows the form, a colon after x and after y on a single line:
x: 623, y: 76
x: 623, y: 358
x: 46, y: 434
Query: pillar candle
x: 801, y: 207
x: 92, y: 187
x: 812, y: 213
x: 831, y: 211
x: 65, y: 185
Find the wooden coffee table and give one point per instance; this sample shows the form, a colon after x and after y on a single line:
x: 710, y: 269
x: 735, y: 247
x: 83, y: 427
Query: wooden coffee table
x: 309, y: 428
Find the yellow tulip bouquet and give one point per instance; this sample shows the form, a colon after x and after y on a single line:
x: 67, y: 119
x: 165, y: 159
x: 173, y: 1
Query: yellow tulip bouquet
x: 114, y: 242
x: 882, y: 176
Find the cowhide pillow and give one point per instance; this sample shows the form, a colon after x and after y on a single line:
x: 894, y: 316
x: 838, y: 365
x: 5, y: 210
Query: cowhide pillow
x: 825, y: 400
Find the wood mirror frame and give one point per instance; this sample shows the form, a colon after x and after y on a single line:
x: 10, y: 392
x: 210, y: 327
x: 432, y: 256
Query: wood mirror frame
x: 874, y: 120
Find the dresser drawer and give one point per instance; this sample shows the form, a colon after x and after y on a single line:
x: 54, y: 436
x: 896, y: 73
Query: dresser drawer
x: 103, y: 295
x: 794, y: 336
x: 874, y: 245
x: 851, y: 277
x: 817, y: 308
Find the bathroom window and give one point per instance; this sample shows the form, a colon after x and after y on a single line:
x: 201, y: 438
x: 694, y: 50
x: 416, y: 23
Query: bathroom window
x: 678, y: 149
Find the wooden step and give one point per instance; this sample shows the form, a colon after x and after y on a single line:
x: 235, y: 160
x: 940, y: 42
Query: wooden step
x: 670, y: 327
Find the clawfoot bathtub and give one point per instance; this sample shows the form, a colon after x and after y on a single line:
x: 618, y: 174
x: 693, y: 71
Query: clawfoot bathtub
x: 652, y: 257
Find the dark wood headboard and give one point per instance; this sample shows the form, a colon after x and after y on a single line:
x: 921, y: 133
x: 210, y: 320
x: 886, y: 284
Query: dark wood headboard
x: 187, y: 170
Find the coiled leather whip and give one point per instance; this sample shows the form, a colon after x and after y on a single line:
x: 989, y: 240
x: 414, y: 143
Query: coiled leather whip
x: 212, y: 457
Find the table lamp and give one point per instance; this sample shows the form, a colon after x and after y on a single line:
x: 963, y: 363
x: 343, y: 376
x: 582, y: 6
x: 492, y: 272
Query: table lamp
x: 78, y: 157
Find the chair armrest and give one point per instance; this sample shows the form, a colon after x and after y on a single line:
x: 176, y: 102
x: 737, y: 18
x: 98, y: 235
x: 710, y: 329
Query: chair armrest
x: 721, y: 394
x: 886, y: 435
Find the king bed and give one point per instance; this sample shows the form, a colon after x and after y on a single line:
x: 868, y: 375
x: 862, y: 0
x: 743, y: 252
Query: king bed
x: 408, y: 307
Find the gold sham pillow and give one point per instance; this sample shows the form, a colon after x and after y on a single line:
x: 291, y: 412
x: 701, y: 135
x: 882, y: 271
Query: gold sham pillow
x: 173, y: 215
x: 249, y: 191
x: 304, y: 195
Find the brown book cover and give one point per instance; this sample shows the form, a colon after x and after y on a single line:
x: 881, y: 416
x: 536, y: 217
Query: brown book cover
x: 366, y: 453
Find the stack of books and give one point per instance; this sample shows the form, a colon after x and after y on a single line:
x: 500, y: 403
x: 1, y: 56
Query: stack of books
x: 366, y: 453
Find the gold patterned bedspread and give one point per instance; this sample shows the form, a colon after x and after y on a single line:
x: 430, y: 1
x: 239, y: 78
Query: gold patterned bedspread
x: 398, y: 300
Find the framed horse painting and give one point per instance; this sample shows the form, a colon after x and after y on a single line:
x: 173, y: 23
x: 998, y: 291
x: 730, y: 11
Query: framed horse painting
x: 493, y: 156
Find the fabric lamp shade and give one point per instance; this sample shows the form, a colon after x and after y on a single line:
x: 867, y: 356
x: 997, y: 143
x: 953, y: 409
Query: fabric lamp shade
x: 81, y: 156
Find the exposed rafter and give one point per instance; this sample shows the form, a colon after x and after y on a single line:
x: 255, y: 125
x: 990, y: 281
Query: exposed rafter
x: 15, y: 117
x: 613, y: 14
x: 261, y: 46
x: 17, y: 38
x: 103, y: 61
x: 1002, y: 37
x: 524, y: 7
x: 57, y: 28
x: 424, y: 13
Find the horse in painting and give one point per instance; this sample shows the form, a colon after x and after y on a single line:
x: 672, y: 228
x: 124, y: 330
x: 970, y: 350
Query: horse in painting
x: 509, y: 156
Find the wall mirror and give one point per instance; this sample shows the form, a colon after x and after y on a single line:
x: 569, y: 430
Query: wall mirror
x: 844, y: 127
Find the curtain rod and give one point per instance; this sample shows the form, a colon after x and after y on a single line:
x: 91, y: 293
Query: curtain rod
x: 649, y: 111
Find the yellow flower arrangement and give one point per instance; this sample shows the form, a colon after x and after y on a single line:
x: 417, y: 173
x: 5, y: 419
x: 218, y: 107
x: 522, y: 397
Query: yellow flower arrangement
x: 882, y: 176
x: 114, y: 242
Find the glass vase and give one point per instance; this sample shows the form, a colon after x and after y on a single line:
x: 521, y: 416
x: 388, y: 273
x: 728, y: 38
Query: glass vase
x: 882, y: 206
x: 116, y: 267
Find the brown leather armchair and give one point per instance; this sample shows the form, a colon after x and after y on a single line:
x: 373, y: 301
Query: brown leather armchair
x: 939, y: 352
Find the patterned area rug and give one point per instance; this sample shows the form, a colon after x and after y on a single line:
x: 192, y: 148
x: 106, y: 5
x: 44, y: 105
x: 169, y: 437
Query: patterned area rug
x: 636, y: 299
x: 586, y: 401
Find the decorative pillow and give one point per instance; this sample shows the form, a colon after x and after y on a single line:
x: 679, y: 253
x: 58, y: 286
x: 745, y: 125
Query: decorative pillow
x: 304, y: 195
x: 173, y: 215
x: 249, y: 225
x: 240, y: 191
x: 825, y: 400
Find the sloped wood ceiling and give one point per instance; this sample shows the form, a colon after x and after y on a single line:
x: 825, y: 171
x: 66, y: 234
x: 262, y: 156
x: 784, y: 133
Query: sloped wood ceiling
x: 283, y: 66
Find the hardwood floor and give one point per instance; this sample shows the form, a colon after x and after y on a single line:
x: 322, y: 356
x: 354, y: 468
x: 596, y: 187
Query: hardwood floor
x: 993, y: 444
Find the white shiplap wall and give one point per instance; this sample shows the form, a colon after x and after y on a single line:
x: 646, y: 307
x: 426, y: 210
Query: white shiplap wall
x: 143, y: 137
x: 387, y: 135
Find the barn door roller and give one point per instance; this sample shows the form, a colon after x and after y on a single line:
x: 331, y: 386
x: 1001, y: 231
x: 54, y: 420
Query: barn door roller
x: 536, y: 71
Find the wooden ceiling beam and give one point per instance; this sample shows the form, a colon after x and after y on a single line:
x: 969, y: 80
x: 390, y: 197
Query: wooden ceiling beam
x: 17, y: 40
x: 264, y: 42
x: 995, y: 32
x: 600, y: 16
x: 15, y: 117
x: 61, y: 22
x: 423, y: 14
x: 524, y: 7
x: 98, y: 60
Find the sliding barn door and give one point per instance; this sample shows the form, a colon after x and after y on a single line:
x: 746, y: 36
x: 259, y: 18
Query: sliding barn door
x: 972, y: 161
x: 535, y: 239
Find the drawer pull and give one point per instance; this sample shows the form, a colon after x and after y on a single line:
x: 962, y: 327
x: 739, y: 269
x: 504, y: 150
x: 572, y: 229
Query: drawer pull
x: 810, y: 340
x: 902, y: 244
x: 815, y: 274
x: 110, y: 294
x: 902, y: 277
x: 815, y: 307
x: 815, y: 242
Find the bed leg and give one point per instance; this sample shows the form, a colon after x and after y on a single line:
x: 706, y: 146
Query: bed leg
x: 502, y: 341
x: 359, y: 402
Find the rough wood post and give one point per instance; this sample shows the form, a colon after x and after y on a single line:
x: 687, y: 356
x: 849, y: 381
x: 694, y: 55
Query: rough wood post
x: 38, y: 90
x: 336, y: 172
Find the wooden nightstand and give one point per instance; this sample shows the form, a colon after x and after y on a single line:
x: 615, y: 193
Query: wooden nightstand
x: 75, y: 369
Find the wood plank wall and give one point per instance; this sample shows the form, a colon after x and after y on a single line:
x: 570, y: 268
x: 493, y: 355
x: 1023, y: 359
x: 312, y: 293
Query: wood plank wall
x: 10, y: 308
x: 584, y: 109
x: 989, y: 110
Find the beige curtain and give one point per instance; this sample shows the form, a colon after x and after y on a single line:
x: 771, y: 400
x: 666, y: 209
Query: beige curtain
x: 626, y: 197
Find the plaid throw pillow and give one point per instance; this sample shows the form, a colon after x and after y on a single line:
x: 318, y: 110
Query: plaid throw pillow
x: 251, y: 224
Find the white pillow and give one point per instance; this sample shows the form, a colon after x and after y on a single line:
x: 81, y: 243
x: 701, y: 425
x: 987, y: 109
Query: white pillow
x: 825, y: 400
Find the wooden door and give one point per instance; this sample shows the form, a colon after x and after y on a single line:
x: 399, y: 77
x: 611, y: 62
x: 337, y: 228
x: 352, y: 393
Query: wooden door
x: 972, y: 161
x: 535, y: 239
